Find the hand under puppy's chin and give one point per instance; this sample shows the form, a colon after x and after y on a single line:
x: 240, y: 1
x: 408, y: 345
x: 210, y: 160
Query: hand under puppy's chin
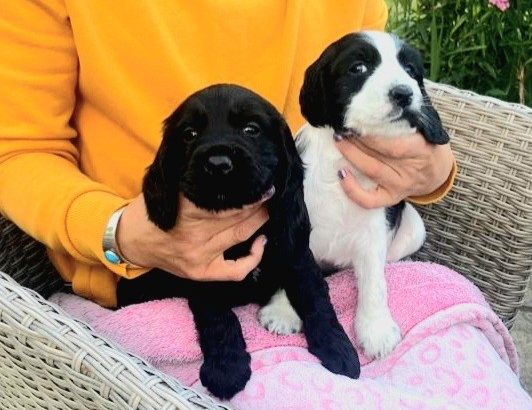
x: 219, y: 202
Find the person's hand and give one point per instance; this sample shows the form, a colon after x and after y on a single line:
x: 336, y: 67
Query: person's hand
x: 401, y: 167
x: 194, y: 248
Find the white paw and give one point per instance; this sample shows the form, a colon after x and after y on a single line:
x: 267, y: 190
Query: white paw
x: 280, y: 319
x: 378, y: 335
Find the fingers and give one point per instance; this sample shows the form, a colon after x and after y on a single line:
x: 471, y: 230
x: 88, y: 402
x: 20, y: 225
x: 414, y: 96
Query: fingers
x: 205, y: 236
x: 371, y: 166
x: 235, y: 270
x: 376, y: 198
x: 238, y: 232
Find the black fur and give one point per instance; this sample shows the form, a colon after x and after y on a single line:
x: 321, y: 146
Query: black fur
x: 219, y: 114
x: 394, y: 215
x: 330, y: 82
x: 428, y: 121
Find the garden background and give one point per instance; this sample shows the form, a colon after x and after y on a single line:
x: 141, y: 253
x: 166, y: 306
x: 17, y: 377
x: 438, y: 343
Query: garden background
x: 480, y: 45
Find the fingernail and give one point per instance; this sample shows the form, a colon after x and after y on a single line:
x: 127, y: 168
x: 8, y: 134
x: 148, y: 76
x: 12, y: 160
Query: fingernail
x: 337, y: 137
x: 342, y: 173
x: 268, y: 194
x: 264, y: 241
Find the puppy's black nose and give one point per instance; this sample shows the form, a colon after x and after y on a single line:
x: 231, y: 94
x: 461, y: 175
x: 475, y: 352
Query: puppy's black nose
x: 219, y: 164
x: 401, y: 95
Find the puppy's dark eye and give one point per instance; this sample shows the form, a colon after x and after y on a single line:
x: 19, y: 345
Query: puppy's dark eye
x: 410, y: 70
x: 358, y: 68
x: 189, y: 134
x: 251, y: 129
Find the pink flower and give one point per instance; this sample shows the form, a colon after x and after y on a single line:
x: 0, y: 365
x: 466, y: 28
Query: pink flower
x: 502, y: 5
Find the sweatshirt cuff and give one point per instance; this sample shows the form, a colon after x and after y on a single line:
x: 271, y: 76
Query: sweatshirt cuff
x: 439, y: 193
x: 86, y: 220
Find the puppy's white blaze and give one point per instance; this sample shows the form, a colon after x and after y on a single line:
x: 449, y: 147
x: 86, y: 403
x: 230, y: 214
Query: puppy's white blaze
x: 338, y: 225
x: 369, y: 110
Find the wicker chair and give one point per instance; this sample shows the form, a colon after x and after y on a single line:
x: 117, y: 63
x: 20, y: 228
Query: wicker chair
x: 482, y: 229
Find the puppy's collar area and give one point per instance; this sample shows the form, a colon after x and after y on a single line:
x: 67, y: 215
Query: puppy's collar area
x: 346, y: 133
x: 268, y: 194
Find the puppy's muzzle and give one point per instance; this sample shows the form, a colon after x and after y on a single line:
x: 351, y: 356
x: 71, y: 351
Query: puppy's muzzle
x: 401, y: 95
x: 218, y: 165
x: 220, y: 161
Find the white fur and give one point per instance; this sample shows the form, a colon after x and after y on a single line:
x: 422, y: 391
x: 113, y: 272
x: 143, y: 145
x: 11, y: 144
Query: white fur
x: 345, y: 234
x: 279, y: 316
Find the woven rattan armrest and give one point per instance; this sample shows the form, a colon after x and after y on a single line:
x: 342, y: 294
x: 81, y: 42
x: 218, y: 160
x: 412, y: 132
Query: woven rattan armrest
x: 483, y: 228
x: 50, y: 361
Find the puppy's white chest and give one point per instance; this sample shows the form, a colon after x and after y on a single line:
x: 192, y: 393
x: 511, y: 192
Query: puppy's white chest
x: 322, y: 160
x: 340, y: 228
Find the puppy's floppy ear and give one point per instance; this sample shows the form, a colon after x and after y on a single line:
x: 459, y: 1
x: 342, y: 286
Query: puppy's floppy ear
x: 161, y: 182
x: 287, y: 209
x: 429, y: 123
x: 289, y: 174
x: 313, y: 94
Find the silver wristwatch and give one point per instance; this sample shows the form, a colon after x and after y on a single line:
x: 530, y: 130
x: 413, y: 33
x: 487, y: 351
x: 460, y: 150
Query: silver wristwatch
x: 110, y: 248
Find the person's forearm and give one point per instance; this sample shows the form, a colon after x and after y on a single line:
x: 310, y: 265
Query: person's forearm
x: 41, y: 187
x: 48, y: 197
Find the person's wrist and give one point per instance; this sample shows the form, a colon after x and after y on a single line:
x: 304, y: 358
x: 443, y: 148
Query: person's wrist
x: 441, y: 191
x: 445, y: 161
x: 111, y: 250
x: 130, y: 237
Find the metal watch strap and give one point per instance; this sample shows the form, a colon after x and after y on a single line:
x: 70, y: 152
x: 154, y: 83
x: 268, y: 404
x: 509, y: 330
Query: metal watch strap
x: 110, y: 248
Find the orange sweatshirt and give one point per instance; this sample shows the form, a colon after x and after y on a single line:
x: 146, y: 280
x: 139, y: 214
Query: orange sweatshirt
x: 86, y: 85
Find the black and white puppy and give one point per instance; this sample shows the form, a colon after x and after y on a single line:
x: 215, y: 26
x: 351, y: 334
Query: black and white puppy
x: 367, y: 83
x: 223, y: 148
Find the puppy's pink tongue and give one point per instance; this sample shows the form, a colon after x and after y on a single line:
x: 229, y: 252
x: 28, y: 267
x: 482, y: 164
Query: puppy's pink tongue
x: 268, y: 194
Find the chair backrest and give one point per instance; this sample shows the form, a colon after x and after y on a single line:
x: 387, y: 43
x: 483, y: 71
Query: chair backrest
x: 483, y: 228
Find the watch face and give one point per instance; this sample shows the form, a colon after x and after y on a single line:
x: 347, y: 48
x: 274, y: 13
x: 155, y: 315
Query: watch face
x: 110, y: 250
x: 112, y: 257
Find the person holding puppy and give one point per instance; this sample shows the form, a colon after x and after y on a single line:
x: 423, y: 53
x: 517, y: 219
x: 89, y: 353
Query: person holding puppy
x: 86, y: 86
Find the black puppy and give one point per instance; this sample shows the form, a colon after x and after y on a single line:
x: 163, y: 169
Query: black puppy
x: 224, y: 147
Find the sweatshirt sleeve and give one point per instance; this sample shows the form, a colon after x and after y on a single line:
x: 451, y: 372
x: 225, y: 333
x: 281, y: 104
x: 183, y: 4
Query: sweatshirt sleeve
x: 375, y: 15
x: 41, y: 187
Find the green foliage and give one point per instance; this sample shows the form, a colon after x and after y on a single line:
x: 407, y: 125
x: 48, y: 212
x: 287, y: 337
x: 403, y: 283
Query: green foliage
x: 471, y: 44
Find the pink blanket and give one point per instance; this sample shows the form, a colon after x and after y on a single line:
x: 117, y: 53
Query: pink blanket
x: 455, y: 353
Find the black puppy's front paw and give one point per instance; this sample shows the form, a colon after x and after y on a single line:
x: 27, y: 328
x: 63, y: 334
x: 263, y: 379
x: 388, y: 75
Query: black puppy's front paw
x: 337, y: 353
x: 227, y: 375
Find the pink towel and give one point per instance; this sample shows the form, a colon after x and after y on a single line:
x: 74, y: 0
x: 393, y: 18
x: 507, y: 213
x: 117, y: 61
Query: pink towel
x: 424, y: 298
